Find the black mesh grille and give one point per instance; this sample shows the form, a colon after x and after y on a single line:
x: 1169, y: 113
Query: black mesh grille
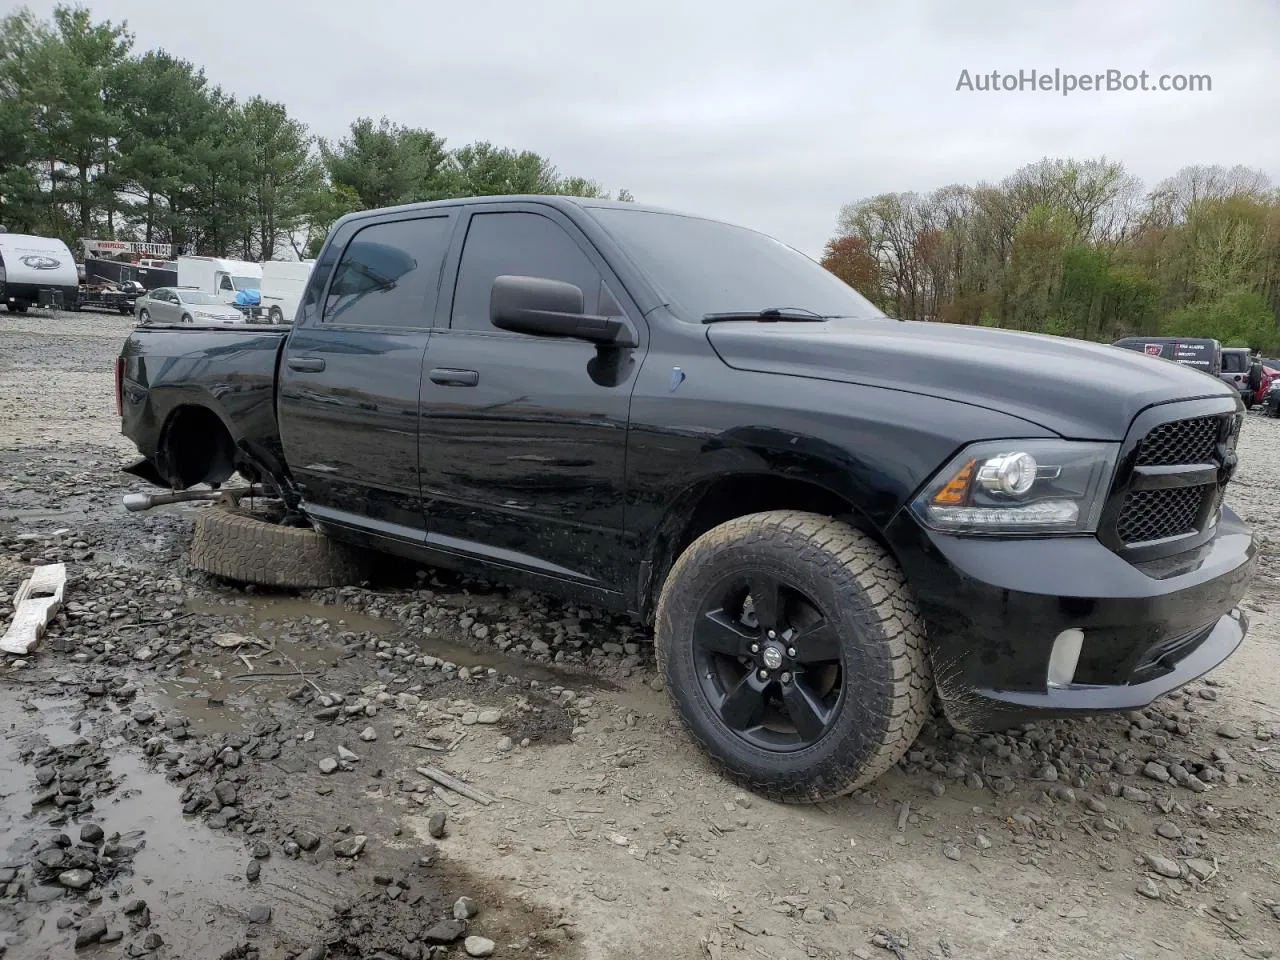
x: 1155, y: 514
x: 1180, y: 442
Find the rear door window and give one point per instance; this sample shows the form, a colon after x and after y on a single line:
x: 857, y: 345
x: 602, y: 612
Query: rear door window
x: 389, y: 274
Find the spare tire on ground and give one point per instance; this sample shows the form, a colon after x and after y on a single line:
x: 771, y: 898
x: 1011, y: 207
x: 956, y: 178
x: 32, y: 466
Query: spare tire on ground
x: 252, y: 548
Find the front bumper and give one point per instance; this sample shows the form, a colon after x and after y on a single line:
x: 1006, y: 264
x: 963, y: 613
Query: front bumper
x: 995, y: 607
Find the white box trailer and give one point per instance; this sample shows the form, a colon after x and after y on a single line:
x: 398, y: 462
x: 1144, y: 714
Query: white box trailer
x: 35, y: 270
x: 283, y: 282
x: 218, y: 275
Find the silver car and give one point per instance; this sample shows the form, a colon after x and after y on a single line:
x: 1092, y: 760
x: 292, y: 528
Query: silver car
x: 183, y: 305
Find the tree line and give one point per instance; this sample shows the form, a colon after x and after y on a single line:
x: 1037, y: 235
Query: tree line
x: 1079, y: 249
x: 100, y: 140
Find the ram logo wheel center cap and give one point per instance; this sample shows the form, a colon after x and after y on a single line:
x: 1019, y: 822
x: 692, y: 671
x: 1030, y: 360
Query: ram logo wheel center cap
x: 772, y: 657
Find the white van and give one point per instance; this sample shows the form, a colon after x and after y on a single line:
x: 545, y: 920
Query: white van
x: 283, y: 282
x: 219, y: 276
x: 30, y: 265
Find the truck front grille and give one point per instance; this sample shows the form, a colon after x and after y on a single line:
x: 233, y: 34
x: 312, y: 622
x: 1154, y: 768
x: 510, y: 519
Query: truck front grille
x: 1182, y: 441
x: 1161, y: 501
x: 1156, y: 514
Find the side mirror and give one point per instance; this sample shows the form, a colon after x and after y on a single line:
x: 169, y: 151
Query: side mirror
x: 552, y: 308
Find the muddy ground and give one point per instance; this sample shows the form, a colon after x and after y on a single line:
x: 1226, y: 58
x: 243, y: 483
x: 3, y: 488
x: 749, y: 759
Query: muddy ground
x: 163, y: 789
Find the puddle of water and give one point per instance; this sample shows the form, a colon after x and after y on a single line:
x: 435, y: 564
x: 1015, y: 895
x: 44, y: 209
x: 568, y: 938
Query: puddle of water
x: 191, y: 878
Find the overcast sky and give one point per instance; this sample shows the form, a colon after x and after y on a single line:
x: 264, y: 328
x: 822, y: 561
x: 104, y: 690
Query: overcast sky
x: 768, y: 114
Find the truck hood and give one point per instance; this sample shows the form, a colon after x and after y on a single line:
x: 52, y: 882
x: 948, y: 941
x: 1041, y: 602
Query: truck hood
x: 1077, y: 389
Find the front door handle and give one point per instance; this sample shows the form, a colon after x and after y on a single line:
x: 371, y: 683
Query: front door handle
x: 306, y: 364
x: 449, y: 377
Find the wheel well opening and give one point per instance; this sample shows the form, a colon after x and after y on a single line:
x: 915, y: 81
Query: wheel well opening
x: 733, y: 497
x: 195, y: 448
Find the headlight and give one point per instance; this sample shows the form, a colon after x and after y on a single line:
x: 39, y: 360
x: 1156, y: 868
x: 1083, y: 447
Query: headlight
x: 1032, y: 487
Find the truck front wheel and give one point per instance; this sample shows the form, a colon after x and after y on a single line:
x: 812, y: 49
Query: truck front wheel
x: 794, y: 654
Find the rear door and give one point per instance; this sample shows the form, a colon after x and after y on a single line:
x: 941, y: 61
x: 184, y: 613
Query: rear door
x: 352, y: 369
x: 524, y: 437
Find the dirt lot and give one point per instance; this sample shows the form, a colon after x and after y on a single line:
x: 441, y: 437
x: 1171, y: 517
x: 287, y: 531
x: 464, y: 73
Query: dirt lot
x: 162, y: 784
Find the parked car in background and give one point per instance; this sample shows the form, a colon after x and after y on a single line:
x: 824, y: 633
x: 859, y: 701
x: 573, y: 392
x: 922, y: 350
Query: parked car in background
x: 181, y: 305
x: 1235, y: 371
x: 1202, y: 353
x: 283, y: 282
x: 1271, y: 399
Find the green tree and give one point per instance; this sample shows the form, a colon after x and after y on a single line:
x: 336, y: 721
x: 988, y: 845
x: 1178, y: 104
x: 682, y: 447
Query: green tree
x: 77, y: 123
x: 284, y: 177
x: 383, y: 163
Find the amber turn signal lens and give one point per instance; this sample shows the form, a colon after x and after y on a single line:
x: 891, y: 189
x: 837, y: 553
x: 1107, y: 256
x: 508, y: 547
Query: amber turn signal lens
x: 956, y: 491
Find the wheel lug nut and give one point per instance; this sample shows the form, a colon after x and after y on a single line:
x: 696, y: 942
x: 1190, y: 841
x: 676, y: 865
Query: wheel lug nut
x: 791, y: 652
x: 773, y: 634
x: 763, y: 674
x: 786, y: 678
x: 755, y: 648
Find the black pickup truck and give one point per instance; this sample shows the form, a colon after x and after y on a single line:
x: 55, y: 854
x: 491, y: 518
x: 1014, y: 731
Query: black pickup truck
x: 827, y: 515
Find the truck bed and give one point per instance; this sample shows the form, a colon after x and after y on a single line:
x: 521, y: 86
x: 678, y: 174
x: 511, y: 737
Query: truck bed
x: 226, y: 368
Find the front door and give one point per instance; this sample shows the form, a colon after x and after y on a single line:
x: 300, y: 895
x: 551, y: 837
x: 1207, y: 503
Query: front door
x: 523, y: 437
x: 351, y: 375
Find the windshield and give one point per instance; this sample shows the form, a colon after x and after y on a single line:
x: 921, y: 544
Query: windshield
x: 198, y: 298
x: 247, y: 283
x: 702, y: 266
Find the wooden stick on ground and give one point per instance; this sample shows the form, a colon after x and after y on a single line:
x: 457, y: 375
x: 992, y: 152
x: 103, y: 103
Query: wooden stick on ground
x: 457, y: 786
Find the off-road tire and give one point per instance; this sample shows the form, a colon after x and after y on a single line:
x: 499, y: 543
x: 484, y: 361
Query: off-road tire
x: 275, y: 315
x: 888, y: 683
x: 237, y: 545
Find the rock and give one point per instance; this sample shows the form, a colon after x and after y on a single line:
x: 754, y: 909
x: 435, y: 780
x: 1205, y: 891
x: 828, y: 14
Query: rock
x: 1156, y: 771
x: 317, y: 951
x: 260, y: 850
x: 1229, y: 731
x: 1169, y: 831
x: 478, y: 946
x: 1135, y: 795
x: 951, y: 851
x: 983, y: 842
x: 225, y: 791
x: 465, y: 908
x: 307, y: 841
x: 489, y: 716
x: 350, y: 847
x: 1048, y: 773
x: 347, y: 755
x: 134, y: 906
x: 75, y: 879
x: 446, y: 931
x: 90, y: 932
x: 1096, y: 806
x: 1149, y: 888
x: 938, y: 788
x: 152, y: 941
x: 435, y: 825
x: 505, y: 744
x: 260, y: 913
x: 253, y: 871
x: 1163, y: 866
x: 368, y: 734
x: 143, y: 654
x: 328, y: 765
x: 91, y: 833
x: 1201, y: 869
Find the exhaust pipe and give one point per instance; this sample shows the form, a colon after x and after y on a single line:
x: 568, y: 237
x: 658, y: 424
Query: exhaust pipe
x: 138, y: 502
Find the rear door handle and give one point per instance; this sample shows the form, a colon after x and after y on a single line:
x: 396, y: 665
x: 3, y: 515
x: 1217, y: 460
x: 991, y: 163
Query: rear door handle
x: 449, y: 377
x: 306, y: 364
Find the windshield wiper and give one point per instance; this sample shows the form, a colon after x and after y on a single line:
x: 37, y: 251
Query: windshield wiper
x: 771, y: 315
